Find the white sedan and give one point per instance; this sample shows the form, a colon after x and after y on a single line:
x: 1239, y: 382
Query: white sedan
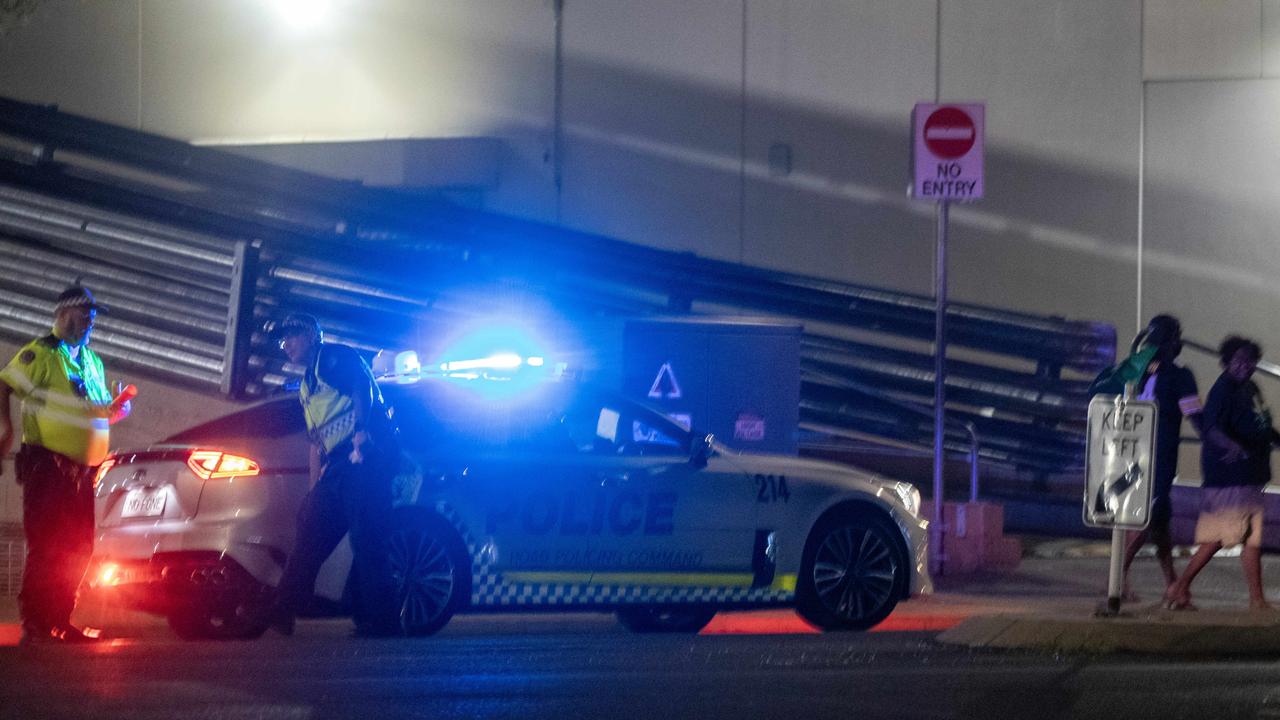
x: 573, y: 498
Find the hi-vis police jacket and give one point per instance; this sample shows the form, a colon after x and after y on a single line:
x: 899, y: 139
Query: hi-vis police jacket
x: 326, y: 395
x: 65, y: 402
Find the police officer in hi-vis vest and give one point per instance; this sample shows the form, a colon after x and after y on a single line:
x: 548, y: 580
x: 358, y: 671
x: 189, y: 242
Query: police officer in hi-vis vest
x: 66, y: 415
x: 355, y: 452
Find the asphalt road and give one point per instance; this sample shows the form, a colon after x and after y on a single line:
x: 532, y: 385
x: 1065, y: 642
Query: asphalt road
x: 560, y: 667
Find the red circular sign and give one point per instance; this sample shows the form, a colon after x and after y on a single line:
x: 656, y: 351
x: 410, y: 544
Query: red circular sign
x: 949, y: 132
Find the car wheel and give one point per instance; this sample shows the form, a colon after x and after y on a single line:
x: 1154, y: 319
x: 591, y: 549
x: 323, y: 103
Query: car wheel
x: 243, y: 622
x: 853, y: 573
x: 432, y: 572
x: 665, y: 619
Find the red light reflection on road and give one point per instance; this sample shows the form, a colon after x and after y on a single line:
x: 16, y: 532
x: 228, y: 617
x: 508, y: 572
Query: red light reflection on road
x: 786, y: 622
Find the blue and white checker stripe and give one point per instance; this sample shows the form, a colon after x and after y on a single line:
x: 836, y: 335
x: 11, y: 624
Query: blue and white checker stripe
x: 490, y: 589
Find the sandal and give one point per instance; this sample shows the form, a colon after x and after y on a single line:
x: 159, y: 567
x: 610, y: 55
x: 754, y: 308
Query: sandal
x: 1180, y: 603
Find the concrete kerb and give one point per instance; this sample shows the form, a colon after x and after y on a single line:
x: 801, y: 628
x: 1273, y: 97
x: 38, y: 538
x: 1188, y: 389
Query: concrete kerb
x: 1048, y: 604
x: 1166, y: 632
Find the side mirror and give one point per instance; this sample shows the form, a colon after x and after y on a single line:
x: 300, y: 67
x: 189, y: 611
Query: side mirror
x: 701, y: 450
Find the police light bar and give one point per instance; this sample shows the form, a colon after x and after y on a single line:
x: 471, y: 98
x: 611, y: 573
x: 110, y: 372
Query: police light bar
x: 497, y: 361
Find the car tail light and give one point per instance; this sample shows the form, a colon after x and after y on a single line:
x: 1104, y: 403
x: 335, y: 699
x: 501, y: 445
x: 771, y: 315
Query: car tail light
x: 103, y: 469
x: 213, y: 464
x: 108, y: 575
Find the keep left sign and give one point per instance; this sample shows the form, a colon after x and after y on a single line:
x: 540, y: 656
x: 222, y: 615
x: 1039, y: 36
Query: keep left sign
x: 947, y: 151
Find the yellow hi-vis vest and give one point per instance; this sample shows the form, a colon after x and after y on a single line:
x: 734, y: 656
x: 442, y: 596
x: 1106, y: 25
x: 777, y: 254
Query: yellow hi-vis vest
x: 65, y: 402
x: 331, y: 416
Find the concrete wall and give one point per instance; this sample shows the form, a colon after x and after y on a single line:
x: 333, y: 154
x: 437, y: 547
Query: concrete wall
x: 1129, y: 141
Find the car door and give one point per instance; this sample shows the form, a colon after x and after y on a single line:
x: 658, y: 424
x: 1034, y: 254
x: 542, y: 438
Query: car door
x: 526, y: 496
x: 670, y: 521
x: 536, y: 510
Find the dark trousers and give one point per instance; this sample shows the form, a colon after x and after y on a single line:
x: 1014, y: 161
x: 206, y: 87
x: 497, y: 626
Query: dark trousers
x: 347, y: 499
x: 57, y: 519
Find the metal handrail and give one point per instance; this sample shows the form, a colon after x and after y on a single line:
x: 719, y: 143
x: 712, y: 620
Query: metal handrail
x: 965, y: 425
x: 1264, y: 367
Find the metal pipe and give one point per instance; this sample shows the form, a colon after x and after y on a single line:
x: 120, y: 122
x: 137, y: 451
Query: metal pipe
x: 973, y: 460
x: 147, y: 258
x: 116, y: 344
x: 103, y: 230
x: 285, y: 272
x: 940, y: 387
x: 60, y: 267
x: 30, y: 285
x: 1265, y: 367
x: 19, y: 306
x: 144, y: 227
x: 163, y: 366
x: 968, y: 427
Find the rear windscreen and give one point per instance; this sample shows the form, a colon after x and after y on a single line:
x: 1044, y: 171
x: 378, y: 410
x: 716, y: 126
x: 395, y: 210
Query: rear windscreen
x: 273, y: 419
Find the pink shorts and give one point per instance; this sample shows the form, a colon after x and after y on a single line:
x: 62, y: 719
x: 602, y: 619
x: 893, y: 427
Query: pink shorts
x: 1231, y: 516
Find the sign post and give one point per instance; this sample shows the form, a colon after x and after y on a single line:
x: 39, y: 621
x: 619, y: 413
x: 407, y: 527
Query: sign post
x: 947, y: 165
x: 1119, y: 452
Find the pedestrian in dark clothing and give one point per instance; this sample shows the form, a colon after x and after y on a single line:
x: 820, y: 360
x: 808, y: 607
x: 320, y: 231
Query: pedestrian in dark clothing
x: 355, y: 451
x: 1173, y: 388
x: 1235, y: 463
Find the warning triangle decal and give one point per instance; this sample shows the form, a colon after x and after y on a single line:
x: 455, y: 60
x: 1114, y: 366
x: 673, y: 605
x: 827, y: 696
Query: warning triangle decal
x: 665, y: 385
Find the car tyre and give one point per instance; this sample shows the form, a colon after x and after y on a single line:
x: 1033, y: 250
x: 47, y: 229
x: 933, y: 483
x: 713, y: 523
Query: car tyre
x: 432, y: 572
x: 243, y: 622
x: 853, y: 572
x: 665, y: 619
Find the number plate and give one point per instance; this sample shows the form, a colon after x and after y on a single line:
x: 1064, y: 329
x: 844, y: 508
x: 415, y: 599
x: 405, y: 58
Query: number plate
x: 144, y: 502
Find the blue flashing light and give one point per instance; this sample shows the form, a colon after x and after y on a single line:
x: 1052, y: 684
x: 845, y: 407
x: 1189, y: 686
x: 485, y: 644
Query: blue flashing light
x: 498, y: 362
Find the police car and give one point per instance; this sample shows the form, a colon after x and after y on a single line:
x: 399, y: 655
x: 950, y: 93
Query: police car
x: 571, y: 498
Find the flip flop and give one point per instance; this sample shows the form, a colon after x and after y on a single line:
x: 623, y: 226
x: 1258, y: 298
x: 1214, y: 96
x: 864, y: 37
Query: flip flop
x: 1178, y: 604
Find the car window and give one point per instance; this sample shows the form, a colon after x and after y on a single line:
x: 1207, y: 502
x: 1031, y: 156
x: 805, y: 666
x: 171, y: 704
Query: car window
x: 437, y: 423
x: 620, y: 428
x: 569, y: 419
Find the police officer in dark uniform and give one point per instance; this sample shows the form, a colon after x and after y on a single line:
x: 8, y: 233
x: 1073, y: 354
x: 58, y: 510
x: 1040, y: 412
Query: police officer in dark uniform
x: 67, y: 412
x: 355, y: 453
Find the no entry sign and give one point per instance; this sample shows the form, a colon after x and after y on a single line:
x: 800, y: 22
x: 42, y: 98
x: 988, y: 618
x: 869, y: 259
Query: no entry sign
x: 947, y: 151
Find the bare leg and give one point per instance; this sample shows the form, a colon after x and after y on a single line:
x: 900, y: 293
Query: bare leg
x: 1164, y: 554
x: 1251, y: 561
x: 1135, y: 542
x: 1180, y: 591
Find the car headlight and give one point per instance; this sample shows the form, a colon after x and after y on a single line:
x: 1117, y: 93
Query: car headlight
x: 908, y: 494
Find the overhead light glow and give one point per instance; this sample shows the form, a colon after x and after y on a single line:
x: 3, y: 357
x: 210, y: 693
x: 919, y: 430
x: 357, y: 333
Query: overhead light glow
x: 304, y: 15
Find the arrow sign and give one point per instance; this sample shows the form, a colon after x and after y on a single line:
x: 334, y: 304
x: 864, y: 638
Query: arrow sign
x: 1120, y: 455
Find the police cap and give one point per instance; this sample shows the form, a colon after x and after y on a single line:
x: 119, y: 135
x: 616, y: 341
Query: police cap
x: 78, y: 296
